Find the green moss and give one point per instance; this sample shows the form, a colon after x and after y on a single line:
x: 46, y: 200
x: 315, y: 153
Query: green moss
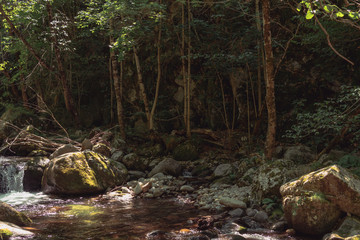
x: 242, y: 229
x: 5, y: 234
x: 81, y: 211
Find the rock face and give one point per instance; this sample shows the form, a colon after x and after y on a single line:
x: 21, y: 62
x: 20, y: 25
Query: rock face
x: 9, y: 214
x: 319, y: 197
x: 82, y: 173
x: 167, y: 166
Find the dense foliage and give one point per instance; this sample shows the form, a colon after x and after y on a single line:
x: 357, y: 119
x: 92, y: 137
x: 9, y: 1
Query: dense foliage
x: 85, y: 54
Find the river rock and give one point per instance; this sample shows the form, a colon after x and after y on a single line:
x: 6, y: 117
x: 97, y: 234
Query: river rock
x: 82, y: 173
x: 337, y: 184
x: 231, y: 202
x: 67, y: 148
x: 349, y: 230
x: 167, y: 166
x: 261, y: 217
x: 33, y: 173
x: 314, y: 202
x: 238, y: 212
x: 117, y: 155
x: 186, y: 188
x: 223, y: 170
x: 15, y: 231
x: 11, y: 215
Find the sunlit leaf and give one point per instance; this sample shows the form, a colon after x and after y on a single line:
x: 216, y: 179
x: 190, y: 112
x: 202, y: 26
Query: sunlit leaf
x: 309, y: 14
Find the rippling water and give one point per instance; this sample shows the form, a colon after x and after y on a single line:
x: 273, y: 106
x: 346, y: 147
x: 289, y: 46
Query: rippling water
x: 121, y: 218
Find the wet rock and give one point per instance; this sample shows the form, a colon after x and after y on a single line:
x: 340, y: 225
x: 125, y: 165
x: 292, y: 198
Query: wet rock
x: 223, y: 170
x: 157, y: 235
x: 167, y: 166
x: 11, y: 215
x: 67, y: 148
x: 211, y: 233
x: 33, y: 173
x: 279, y: 226
x: 234, y: 237
x: 15, y: 231
x: 88, y: 173
x: 236, y: 212
x: 232, y: 227
x: 186, y: 151
x: 186, y: 188
x: 261, y: 217
x: 103, y: 149
x: 231, y: 202
x: 199, y: 237
x: 138, y: 189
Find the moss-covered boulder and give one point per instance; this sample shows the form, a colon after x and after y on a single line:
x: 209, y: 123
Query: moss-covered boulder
x: 311, y: 213
x: 11, y: 215
x: 319, y: 197
x: 102, y: 149
x: 82, y: 173
x: 12, y: 231
x: 186, y: 151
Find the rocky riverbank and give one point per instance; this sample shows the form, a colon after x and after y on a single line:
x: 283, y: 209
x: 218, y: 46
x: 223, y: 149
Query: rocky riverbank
x: 242, y: 191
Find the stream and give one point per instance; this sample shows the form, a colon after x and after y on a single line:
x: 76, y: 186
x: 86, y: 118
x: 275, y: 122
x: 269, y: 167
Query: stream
x: 101, y: 217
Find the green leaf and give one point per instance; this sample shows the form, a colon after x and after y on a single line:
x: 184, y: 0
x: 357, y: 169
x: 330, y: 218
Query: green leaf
x: 326, y: 8
x: 340, y: 14
x: 309, y: 14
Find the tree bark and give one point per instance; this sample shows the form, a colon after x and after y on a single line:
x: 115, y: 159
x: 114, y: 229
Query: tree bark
x: 141, y: 85
x: 117, y: 78
x: 183, y: 66
x: 152, y: 113
x: 188, y: 82
x: 270, y: 143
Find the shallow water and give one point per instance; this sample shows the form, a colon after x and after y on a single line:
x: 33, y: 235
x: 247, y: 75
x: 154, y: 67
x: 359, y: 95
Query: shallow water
x: 123, y: 218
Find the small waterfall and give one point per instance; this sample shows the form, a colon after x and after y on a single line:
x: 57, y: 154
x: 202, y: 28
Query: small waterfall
x: 11, y: 175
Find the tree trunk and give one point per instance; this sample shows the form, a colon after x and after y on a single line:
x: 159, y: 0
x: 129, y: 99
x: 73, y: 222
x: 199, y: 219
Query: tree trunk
x: 141, y: 84
x: 270, y: 83
x: 183, y: 66
x: 69, y: 102
x: 188, y: 130
x: 117, y: 86
x: 152, y: 113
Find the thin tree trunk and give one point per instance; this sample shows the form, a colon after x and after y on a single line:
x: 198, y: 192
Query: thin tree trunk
x: 270, y: 83
x: 183, y: 67
x: 188, y: 130
x: 260, y: 58
x: 117, y: 79
x: 112, y: 84
x: 152, y: 113
x: 69, y: 102
x: 141, y: 84
x: 24, y: 96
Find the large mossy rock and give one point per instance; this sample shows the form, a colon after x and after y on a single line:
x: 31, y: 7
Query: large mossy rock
x: 328, y: 191
x: 82, y: 173
x: 11, y: 215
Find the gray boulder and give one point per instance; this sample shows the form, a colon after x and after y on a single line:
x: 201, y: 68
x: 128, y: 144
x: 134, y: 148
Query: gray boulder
x: 67, y: 148
x: 167, y: 166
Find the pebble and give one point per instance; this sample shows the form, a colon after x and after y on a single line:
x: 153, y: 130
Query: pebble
x: 187, y: 188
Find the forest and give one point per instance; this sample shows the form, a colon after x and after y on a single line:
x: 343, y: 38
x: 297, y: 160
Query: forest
x: 246, y: 112
x: 186, y: 65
